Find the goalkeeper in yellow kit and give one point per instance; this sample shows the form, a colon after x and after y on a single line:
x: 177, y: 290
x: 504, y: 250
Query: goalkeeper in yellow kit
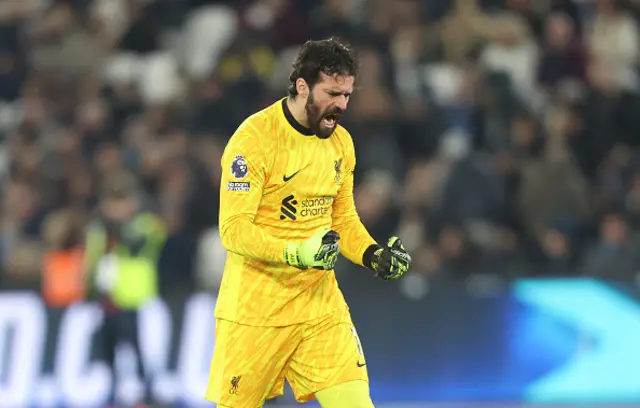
x: 286, y: 212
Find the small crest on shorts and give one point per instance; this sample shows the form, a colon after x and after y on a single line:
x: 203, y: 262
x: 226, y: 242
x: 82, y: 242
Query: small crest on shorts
x: 235, y: 382
x: 239, y: 167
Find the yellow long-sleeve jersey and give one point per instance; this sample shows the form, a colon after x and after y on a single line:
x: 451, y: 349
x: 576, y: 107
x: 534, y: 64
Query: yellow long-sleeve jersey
x: 281, y: 184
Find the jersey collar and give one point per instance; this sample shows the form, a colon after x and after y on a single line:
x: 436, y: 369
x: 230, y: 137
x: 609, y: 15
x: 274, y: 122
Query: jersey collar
x: 293, y: 122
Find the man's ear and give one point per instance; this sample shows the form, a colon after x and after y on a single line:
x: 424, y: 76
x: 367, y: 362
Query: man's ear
x: 302, y: 87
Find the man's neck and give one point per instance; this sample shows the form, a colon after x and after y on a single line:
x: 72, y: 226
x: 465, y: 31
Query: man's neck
x: 297, y: 109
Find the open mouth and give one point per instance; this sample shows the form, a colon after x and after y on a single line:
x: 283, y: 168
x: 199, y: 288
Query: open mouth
x: 330, y: 120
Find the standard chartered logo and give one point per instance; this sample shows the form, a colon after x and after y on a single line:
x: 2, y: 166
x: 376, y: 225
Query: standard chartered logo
x: 308, y: 207
x: 313, y: 207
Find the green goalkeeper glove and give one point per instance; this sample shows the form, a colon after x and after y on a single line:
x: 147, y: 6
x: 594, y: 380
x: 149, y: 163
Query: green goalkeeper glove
x: 392, y: 261
x: 319, y: 252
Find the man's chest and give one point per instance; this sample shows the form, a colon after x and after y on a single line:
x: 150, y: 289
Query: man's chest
x: 307, y: 170
x: 306, y: 180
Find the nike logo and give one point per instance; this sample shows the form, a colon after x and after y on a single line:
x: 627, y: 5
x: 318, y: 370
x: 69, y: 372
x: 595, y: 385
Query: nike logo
x: 285, y: 178
x: 361, y: 364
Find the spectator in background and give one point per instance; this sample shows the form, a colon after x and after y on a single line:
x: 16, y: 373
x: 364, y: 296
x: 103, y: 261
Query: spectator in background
x: 554, y: 198
x: 63, y: 44
x: 511, y: 51
x: 563, y: 57
x: 614, y: 254
x: 612, y: 38
x: 372, y: 119
x: 63, y: 280
x: 13, y: 64
x: 377, y: 204
x: 123, y: 245
x: 21, y: 227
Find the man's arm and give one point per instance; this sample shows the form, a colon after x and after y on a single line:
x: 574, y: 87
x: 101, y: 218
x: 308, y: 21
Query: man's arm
x: 356, y: 244
x: 95, y: 246
x: 155, y: 236
x: 245, y: 165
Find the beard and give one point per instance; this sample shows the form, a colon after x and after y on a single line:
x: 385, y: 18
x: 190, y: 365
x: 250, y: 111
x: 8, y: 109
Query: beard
x: 321, y: 123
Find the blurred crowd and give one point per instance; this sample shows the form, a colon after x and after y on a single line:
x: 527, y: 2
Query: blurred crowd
x: 494, y: 136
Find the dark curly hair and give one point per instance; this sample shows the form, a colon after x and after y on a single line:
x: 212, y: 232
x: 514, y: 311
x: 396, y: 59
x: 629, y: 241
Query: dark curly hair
x: 329, y: 56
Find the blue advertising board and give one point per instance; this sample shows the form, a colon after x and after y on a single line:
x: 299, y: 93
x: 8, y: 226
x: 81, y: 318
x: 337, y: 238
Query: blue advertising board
x: 537, y: 341
x: 540, y: 341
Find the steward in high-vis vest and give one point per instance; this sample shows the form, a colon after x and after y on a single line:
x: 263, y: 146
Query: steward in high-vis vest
x: 123, y: 245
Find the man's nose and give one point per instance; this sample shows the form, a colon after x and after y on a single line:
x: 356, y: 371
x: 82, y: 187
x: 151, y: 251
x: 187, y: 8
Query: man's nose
x: 342, y: 102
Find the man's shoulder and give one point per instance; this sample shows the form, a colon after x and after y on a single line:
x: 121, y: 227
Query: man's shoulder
x: 344, y: 139
x: 342, y: 132
x: 149, y: 218
x: 267, y: 115
x: 259, y: 124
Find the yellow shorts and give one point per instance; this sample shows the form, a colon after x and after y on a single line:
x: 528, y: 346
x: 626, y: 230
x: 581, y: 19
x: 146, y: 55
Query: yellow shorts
x: 250, y: 363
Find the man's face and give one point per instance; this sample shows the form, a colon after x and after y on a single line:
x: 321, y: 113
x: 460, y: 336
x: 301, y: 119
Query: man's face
x: 119, y: 209
x: 327, y: 102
